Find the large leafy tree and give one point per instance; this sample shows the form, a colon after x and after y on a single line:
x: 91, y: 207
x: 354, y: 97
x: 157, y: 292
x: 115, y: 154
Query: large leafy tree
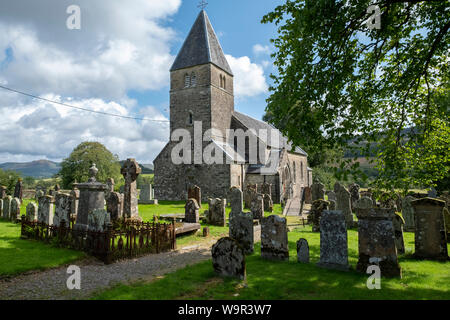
x: 76, y: 166
x: 340, y: 82
x: 8, y: 178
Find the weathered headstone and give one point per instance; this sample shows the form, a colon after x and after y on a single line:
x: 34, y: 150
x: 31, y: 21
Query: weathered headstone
x: 398, y: 230
x: 191, y: 211
x: 430, y: 236
x: 114, y: 205
x: 317, y: 207
x: 110, y: 186
x: 216, y: 214
x: 274, y: 239
x: 18, y: 190
x: 146, y: 192
x: 333, y: 241
x: 432, y: 193
x: 3, y: 192
x: 308, y: 197
x: 14, y: 211
x: 268, y: 203
x: 242, y: 230
x: 62, y: 209
x: 45, y: 210
x: 376, y: 241
x: 6, y: 207
x: 332, y: 205
x: 32, y: 212
x: 92, y: 196
x: 228, y: 258
x: 446, y: 213
x: 266, y: 188
x: 354, y: 193
x: 1, y: 208
x: 249, y: 194
x: 408, y: 213
x: 194, y: 192
x: 302, y: 251
x: 74, y: 199
x: 317, y: 191
x: 331, y: 195
x: 343, y: 203
x: 235, y: 196
x: 130, y: 171
x: 257, y: 206
x: 363, y: 203
x: 98, y: 220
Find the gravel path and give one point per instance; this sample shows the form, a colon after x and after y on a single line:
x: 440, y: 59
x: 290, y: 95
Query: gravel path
x: 95, y: 275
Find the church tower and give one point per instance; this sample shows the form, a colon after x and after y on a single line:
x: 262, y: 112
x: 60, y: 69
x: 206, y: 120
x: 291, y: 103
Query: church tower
x: 201, y: 82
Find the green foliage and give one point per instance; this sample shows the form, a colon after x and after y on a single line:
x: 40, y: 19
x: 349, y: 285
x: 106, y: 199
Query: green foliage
x: 76, y: 166
x: 384, y: 90
x: 9, y: 179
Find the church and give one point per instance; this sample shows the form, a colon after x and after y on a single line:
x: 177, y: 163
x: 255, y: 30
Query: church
x: 202, y: 104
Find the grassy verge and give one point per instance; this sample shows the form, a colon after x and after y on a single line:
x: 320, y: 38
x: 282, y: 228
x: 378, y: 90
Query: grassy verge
x: 291, y: 280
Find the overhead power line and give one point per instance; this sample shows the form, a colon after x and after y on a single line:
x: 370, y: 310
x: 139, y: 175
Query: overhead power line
x: 80, y: 108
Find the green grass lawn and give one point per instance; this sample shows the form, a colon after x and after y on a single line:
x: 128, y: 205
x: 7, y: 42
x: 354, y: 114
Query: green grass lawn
x: 292, y: 280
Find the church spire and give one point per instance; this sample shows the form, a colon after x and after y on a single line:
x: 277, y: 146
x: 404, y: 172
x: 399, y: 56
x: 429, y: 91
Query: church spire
x: 201, y: 47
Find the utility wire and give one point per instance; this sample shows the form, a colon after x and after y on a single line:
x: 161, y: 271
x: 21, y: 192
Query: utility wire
x: 79, y: 108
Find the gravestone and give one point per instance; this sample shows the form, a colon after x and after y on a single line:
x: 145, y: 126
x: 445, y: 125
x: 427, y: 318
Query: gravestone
x: 331, y: 195
x: 110, y: 186
x: 242, y: 230
x: 18, y: 190
x: 74, y: 200
x: 45, y: 210
x: 343, y: 203
x: 92, y: 196
x: 63, y: 203
x: 130, y: 171
x: 228, y: 258
x: 146, y: 195
x: 333, y: 241
x: 216, y: 214
x: 6, y: 207
x: 363, y: 203
x: 194, y: 192
x: 332, y: 205
x: 317, y: 191
x: 317, y: 207
x: 398, y: 230
x: 3, y: 192
x: 268, y: 203
x: 235, y: 196
x: 257, y: 206
x: 430, y: 236
x: 302, y: 251
x: 98, y: 220
x: 446, y: 213
x: 376, y: 241
x: 432, y: 193
x: 1, y: 208
x: 191, y: 211
x: 32, y: 212
x: 308, y: 197
x: 205, y: 232
x: 114, y: 205
x: 266, y: 188
x: 249, y: 194
x: 354, y: 193
x: 408, y: 213
x: 14, y: 211
x: 274, y: 238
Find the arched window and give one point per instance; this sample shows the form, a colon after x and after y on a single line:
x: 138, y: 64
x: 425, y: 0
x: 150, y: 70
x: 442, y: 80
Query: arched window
x: 301, y: 168
x: 193, y: 79
x: 187, y: 81
x: 191, y: 118
x: 221, y: 81
x: 295, y: 171
x: 224, y: 82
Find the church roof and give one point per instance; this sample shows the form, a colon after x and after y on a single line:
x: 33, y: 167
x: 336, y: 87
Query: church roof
x: 201, y: 47
x: 251, y: 123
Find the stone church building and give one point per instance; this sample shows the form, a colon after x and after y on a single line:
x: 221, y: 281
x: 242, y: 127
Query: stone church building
x: 201, y: 92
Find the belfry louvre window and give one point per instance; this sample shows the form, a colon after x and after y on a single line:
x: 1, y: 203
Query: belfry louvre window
x: 187, y: 81
x: 193, y: 79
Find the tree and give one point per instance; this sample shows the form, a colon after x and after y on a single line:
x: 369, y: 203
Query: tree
x: 76, y: 166
x: 344, y: 81
x: 9, y: 179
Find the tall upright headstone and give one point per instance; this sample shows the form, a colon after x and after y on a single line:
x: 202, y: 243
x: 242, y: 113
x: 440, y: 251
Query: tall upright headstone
x: 376, y: 241
x: 308, y: 197
x: 408, y: 213
x: 114, y: 205
x: 63, y: 206
x: 302, y: 251
x: 430, y: 236
x: 45, y: 210
x: 317, y: 191
x: 191, y: 211
x: 92, y: 196
x: 194, y: 192
x: 398, y: 230
x: 74, y: 200
x: 1, y: 208
x: 249, y: 193
x: 354, y: 193
x: 274, y: 239
x: 6, y: 207
x: 331, y: 195
x: 343, y: 203
x: 241, y: 224
x: 317, y: 207
x: 32, y: 212
x: 333, y: 241
x: 216, y: 215
x: 18, y: 189
x: 14, y: 211
x: 130, y: 171
x: 257, y: 206
x: 235, y: 196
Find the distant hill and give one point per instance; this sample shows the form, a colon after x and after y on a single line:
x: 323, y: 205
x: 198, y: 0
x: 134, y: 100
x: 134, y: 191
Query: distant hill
x: 37, y: 169
x: 146, y: 168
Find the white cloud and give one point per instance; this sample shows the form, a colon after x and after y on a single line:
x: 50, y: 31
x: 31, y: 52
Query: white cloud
x: 260, y: 49
x: 249, y: 79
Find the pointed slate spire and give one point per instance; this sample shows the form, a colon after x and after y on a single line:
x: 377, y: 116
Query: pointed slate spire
x: 201, y: 47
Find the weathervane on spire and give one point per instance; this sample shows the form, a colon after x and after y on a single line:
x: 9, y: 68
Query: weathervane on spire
x: 202, y: 4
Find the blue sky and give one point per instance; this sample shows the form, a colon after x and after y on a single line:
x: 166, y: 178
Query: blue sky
x: 118, y: 62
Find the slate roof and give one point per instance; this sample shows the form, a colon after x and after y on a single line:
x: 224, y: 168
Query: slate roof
x: 251, y: 123
x: 201, y: 47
